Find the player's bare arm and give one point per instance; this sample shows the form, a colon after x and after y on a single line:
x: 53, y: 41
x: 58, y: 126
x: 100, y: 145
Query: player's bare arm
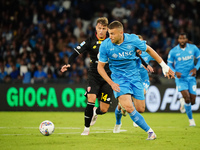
x: 166, y: 69
x: 105, y: 76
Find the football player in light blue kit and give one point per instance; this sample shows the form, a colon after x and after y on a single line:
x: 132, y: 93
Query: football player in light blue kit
x: 119, y: 51
x: 145, y: 81
x: 181, y: 60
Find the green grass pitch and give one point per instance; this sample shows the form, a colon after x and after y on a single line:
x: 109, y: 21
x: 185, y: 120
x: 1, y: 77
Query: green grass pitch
x: 19, y: 130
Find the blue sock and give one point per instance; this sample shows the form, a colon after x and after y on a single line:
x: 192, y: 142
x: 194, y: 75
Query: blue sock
x: 139, y: 120
x: 188, y: 110
x: 118, y: 116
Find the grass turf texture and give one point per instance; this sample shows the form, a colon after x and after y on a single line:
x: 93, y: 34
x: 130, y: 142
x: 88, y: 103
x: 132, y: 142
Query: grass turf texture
x: 19, y: 130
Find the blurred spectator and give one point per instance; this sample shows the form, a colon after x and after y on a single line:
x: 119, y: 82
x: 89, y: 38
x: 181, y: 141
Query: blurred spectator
x: 40, y: 31
x: 39, y: 75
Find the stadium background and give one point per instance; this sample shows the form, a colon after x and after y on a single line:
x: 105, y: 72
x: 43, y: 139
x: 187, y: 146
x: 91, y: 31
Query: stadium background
x: 40, y: 35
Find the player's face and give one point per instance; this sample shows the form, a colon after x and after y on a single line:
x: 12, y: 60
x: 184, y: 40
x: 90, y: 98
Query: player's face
x: 101, y: 30
x: 115, y: 35
x: 182, y: 39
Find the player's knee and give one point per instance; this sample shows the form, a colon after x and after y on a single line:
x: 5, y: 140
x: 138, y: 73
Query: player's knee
x: 192, y: 101
x: 129, y: 109
x: 104, y: 110
x: 141, y: 109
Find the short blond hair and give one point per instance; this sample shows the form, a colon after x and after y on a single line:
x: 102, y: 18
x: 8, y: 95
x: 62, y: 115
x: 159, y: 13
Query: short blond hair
x: 103, y: 21
x: 115, y: 24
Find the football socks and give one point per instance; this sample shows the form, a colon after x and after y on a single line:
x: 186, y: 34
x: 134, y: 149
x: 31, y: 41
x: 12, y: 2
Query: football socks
x: 188, y: 110
x: 88, y: 113
x: 118, y: 116
x: 139, y: 120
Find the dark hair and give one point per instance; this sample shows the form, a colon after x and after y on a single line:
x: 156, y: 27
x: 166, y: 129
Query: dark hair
x: 103, y: 21
x: 181, y: 34
x: 115, y: 24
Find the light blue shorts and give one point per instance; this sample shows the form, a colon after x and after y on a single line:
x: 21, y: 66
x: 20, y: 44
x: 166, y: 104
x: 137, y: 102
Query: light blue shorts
x: 187, y: 83
x: 146, y: 84
x: 131, y: 86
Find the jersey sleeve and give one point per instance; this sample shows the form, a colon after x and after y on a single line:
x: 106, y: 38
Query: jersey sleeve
x: 140, y: 44
x: 197, y: 55
x: 196, y: 52
x: 103, y: 57
x: 84, y: 46
x: 170, y: 61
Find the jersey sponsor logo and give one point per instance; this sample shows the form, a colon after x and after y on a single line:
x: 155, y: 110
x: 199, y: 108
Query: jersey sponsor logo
x: 83, y: 43
x: 129, y: 46
x: 126, y: 54
x: 99, y: 42
x: 114, y: 55
x: 185, y: 58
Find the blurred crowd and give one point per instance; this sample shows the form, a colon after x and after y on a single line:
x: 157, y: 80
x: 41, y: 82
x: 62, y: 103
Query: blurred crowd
x: 38, y: 36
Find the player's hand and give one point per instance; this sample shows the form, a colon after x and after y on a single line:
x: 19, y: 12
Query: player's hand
x: 65, y: 67
x: 150, y: 69
x: 178, y: 74
x: 115, y: 87
x: 170, y: 74
x: 193, y: 72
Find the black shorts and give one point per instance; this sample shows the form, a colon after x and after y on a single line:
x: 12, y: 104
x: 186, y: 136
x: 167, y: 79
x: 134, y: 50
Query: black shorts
x: 97, y: 85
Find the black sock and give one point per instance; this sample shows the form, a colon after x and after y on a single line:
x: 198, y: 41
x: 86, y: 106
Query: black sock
x: 88, y: 113
x: 99, y: 112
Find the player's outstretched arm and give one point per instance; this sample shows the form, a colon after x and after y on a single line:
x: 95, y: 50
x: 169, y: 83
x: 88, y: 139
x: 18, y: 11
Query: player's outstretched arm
x: 165, y: 68
x: 105, y: 76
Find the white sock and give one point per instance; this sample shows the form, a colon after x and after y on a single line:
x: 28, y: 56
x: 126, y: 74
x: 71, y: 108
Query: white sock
x: 150, y: 130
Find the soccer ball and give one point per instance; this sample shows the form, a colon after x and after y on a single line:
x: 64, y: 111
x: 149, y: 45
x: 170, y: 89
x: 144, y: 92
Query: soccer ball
x: 46, y: 128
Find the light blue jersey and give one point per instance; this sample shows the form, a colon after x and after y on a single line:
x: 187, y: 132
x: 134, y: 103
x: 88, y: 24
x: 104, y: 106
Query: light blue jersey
x: 122, y: 63
x: 143, y: 72
x: 182, y: 60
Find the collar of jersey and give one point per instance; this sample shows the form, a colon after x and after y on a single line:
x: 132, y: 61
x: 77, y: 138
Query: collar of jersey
x: 185, y: 47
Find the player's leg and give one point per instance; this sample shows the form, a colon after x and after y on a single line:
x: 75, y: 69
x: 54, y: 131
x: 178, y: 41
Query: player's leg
x: 105, y: 95
x: 102, y: 109
x: 118, y: 116
x: 138, y: 94
x: 181, y: 85
x: 140, y: 105
x: 126, y: 102
x: 192, y: 93
x: 187, y: 106
x: 91, y: 94
x: 89, y: 113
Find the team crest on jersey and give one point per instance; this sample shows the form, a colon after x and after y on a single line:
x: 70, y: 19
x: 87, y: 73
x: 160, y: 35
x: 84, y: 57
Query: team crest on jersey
x: 129, y: 46
x: 190, y: 52
x: 179, y: 58
x: 178, y: 54
x: 99, y: 42
x: 114, y: 55
x: 83, y: 43
x: 94, y: 47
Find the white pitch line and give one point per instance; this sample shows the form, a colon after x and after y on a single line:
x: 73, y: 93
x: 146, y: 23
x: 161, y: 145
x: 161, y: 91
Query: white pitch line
x: 38, y: 127
x: 62, y: 133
